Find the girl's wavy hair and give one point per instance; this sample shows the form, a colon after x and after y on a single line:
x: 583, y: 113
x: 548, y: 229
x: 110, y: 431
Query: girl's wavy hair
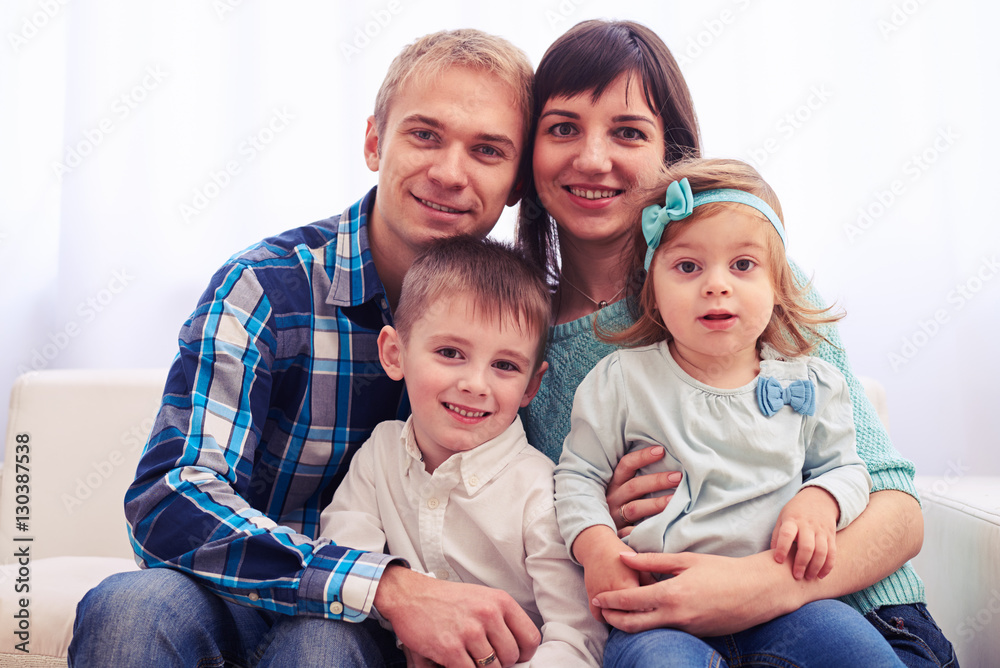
x: 794, y: 328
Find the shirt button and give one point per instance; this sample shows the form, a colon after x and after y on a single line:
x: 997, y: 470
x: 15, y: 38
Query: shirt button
x: 473, y: 481
x: 254, y: 596
x: 336, y: 608
x: 432, y: 503
x: 441, y: 575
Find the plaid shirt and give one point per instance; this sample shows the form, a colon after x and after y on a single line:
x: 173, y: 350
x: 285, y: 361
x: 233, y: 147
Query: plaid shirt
x: 276, y: 385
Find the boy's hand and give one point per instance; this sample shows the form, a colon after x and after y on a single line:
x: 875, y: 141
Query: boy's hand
x: 809, y: 521
x: 598, y: 549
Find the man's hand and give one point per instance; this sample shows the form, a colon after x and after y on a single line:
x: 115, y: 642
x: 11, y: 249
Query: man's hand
x: 452, y: 623
x: 809, y: 521
x: 627, y: 492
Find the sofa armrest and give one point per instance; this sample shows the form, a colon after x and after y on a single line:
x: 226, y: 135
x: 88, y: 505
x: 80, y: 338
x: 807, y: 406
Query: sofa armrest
x: 73, y: 442
x: 960, y: 562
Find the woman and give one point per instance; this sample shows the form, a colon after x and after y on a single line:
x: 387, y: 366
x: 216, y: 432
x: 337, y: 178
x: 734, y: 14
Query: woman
x: 611, y: 105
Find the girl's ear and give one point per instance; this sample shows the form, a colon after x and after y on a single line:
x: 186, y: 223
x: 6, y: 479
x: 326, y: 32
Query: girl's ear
x: 390, y: 352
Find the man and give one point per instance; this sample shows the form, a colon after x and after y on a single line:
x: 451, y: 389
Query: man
x: 277, y: 383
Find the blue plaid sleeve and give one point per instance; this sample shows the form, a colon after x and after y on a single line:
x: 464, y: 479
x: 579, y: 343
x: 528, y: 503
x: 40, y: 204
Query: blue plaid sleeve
x: 252, y: 436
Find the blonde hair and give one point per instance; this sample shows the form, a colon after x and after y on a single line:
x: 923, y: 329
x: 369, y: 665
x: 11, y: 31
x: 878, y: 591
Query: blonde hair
x: 432, y: 54
x: 503, y: 284
x: 794, y: 326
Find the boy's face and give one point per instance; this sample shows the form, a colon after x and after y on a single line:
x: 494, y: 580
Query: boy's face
x: 466, y: 375
x: 446, y: 157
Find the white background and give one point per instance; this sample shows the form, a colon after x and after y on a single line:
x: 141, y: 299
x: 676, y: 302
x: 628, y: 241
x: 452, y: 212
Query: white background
x: 873, y: 119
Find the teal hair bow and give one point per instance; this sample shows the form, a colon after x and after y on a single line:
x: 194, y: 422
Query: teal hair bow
x: 679, y: 204
x: 799, y: 394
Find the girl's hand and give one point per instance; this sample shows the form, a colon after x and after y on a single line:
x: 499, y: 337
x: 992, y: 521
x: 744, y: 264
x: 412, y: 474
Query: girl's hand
x: 809, y: 521
x: 626, y: 491
x: 598, y: 550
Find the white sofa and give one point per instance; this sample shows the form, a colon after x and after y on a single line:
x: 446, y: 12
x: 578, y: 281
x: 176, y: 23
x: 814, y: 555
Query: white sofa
x: 85, y: 430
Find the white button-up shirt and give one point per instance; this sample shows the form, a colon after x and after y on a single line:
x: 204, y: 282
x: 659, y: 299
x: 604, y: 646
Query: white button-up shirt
x: 485, y: 516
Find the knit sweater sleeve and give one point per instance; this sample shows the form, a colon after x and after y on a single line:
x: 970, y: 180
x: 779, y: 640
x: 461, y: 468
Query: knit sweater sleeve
x: 888, y: 468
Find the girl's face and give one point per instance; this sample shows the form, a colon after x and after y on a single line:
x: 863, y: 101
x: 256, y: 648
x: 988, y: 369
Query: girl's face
x: 587, y: 154
x: 712, y: 287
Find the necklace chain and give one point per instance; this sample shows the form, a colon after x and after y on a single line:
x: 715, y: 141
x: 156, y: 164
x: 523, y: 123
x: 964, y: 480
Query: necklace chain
x: 599, y: 304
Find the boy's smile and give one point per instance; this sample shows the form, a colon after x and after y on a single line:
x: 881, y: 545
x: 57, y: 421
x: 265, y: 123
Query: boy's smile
x: 466, y: 374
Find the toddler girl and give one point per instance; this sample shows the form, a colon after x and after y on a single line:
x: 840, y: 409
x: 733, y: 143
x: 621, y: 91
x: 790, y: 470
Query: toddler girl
x: 715, y: 370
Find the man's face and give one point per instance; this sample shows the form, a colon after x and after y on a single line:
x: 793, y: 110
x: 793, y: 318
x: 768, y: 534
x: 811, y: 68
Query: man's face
x: 447, y: 158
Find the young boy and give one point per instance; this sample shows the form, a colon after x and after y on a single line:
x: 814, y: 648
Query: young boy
x: 456, y: 489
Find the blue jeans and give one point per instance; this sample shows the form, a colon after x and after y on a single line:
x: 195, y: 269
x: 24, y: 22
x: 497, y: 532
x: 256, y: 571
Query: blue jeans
x: 914, y: 635
x: 161, y: 617
x: 822, y: 634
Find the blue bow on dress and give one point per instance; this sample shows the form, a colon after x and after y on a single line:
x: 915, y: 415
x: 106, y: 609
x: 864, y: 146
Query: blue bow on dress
x: 771, y: 396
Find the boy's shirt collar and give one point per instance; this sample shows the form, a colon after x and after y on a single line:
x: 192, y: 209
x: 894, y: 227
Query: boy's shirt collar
x: 474, y: 468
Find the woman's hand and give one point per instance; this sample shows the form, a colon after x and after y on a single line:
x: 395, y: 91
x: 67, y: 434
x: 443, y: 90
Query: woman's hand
x: 711, y: 595
x: 626, y: 491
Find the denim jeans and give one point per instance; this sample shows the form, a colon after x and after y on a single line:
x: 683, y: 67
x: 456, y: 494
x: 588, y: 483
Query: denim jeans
x: 161, y: 617
x: 822, y: 634
x: 914, y: 635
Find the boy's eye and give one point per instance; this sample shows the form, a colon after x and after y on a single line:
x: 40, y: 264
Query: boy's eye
x: 506, y: 366
x: 743, y: 264
x: 687, y: 267
x: 450, y: 353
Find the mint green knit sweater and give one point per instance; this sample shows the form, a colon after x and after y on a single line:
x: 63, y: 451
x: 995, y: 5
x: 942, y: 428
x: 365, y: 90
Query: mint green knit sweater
x: 572, y: 352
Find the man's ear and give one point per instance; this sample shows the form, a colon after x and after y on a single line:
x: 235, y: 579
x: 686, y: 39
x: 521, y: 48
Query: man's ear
x: 371, y: 145
x: 534, y: 384
x: 516, y: 193
x: 390, y: 352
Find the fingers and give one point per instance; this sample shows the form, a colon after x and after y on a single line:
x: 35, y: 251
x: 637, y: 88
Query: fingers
x: 525, y: 634
x: 805, y: 554
x: 781, y: 540
x: 659, y: 562
x: 632, y: 462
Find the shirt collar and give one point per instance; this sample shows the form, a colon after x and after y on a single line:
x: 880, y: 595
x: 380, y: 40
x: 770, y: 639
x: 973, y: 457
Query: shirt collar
x: 478, y: 466
x: 353, y: 276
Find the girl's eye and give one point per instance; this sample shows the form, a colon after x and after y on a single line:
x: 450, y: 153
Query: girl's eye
x: 687, y: 267
x: 743, y: 264
x: 506, y: 366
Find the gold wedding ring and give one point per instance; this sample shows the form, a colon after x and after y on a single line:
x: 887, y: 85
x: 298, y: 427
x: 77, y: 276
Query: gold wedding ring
x: 487, y: 660
x: 621, y: 511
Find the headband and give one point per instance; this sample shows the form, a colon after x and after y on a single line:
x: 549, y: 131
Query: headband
x: 680, y: 203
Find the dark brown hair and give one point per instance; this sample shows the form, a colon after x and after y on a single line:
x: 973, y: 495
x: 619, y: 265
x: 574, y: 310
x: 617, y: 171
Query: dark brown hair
x: 590, y: 56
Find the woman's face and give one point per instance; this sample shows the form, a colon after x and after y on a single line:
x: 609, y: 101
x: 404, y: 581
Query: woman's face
x: 587, y: 154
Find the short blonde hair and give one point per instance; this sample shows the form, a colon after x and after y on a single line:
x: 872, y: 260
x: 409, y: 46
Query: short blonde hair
x: 794, y: 326
x: 432, y: 54
x: 504, y: 285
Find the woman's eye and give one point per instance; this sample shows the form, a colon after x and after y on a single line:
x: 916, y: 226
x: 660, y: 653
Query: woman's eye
x: 687, y: 267
x: 632, y: 134
x: 744, y: 264
x: 562, y: 130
